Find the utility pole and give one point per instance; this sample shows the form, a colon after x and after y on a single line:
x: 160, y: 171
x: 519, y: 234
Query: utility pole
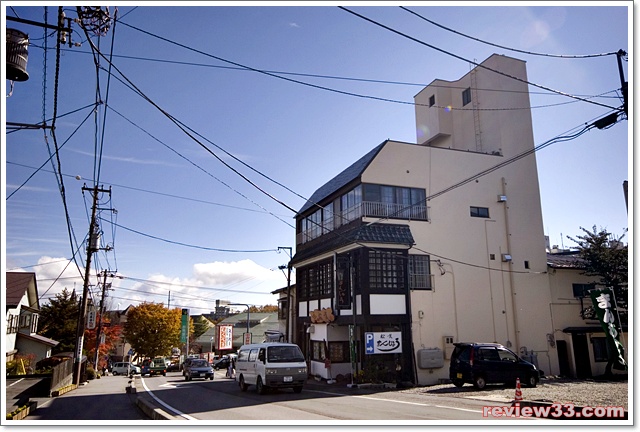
x: 289, y: 306
x: 92, y: 246
x: 100, y: 311
x: 623, y: 84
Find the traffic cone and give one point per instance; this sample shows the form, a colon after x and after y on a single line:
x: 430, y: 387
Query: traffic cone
x: 518, y: 391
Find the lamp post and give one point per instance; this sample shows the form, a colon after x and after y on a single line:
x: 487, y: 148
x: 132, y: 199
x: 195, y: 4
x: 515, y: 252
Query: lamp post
x: 242, y: 304
x: 211, y: 350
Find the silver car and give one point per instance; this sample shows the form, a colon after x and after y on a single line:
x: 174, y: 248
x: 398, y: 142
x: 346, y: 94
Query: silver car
x: 125, y: 368
x: 198, y: 368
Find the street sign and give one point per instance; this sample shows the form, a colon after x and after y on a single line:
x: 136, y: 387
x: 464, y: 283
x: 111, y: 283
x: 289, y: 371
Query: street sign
x: 247, y: 338
x: 184, y: 328
x: 383, y: 343
x: 91, y: 319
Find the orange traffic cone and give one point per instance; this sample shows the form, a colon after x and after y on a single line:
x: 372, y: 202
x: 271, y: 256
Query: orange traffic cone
x: 518, y: 391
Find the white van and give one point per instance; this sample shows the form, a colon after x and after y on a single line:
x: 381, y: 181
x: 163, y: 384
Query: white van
x: 271, y: 365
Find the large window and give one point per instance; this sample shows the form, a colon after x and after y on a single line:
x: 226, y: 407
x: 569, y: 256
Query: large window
x: 338, y: 351
x: 419, y: 272
x: 315, y: 280
x: 394, y: 201
x: 600, y: 349
x: 386, y: 270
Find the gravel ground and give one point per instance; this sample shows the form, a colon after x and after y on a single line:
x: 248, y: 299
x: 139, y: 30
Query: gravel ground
x: 579, y: 392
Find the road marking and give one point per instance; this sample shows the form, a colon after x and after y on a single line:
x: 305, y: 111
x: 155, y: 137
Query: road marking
x: 21, y: 379
x: 396, y: 401
x: 167, y: 406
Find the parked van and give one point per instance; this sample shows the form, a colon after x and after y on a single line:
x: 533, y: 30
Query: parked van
x: 271, y: 365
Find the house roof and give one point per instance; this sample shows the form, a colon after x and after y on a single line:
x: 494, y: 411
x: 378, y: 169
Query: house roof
x: 566, y: 260
x: 375, y: 233
x: 19, y: 284
x: 38, y: 338
x: 344, y: 178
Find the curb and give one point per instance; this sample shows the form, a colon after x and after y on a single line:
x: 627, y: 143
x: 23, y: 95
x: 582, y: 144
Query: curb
x: 146, y: 405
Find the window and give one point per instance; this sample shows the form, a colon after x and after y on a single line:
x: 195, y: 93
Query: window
x: 315, y: 280
x: 599, y: 349
x: 394, y: 201
x: 338, y: 351
x: 253, y: 355
x: 419, y: 272
x: 283, y: 308
x: 482, y: 212
x: 432, y: 100
x: 386, y: 270
x: 12, y: 323
x: 466, y: 96
x: 582, y: 290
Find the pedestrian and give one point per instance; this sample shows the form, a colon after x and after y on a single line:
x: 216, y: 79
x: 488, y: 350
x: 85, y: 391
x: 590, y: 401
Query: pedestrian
x: 230, y: 369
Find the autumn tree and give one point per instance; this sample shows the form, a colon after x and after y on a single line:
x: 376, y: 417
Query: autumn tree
x: 111, y: 337
x: 152, y: 329
x: 606, y: 258
x: 59, y: 320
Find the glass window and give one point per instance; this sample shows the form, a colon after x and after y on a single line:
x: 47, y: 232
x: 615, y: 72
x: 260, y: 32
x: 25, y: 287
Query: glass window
x: 253, y: 355
x: 482, y: 212
x: 419, y: 272
x: 386, y: 270
x: 466, y: 96
x: 432, y: 100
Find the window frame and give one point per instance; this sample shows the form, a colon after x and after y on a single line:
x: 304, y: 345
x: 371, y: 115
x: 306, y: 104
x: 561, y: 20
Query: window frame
x: 466, y: 96
x: 479, y: 212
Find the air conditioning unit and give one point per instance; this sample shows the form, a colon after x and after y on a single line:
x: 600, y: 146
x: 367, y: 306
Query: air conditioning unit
x: 502, y: 198
x: 506, y: 258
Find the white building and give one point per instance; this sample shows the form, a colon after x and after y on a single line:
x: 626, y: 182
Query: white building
x: 442, y: 241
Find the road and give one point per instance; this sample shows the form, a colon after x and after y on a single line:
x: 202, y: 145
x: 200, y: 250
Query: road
x: 221, y: 400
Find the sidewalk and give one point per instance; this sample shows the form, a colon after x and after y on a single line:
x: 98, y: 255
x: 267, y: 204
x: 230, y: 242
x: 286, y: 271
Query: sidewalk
x: 106, y: 398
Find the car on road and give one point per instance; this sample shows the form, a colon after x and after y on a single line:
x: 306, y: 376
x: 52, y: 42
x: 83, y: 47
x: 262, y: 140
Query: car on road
x: 125, y: 368
x: 221, y: 363
x: 157, y: 366
x: 198, y: 368
x: 489, y: 363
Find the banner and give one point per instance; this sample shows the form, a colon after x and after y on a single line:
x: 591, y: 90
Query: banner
x: 604, y: 305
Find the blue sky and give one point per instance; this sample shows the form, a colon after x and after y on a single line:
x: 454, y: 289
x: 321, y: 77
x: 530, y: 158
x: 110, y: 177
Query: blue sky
x: 190, y: 229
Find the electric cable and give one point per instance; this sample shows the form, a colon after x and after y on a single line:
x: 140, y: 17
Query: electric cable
x: 471, y: 62
x: 564, y: 56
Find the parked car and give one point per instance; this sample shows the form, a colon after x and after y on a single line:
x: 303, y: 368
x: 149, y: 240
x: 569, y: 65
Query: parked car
x: 125, y: 368
x: 488, y: 363
x: 198, y: 368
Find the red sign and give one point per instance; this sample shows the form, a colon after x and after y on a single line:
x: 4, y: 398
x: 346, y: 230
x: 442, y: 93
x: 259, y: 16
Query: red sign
x: 225, y: 337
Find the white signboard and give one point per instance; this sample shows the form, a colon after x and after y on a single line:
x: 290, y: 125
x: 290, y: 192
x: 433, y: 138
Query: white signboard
x: 383, y: 343
x: 225, y: 337
x: 91, y: 319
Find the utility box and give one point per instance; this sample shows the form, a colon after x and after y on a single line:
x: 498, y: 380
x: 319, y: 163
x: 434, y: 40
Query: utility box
x: 447, y: 344
x: 430, y: 358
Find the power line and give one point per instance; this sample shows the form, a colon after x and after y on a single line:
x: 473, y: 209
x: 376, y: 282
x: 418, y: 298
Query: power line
x: 471, y: 62
x: 504, y: 47
x: 185, y: 244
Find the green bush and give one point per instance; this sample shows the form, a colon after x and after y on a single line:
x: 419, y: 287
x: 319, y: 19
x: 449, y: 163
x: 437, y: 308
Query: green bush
x: 91, y: 373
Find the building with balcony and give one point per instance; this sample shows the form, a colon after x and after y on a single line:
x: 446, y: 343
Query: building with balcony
x: 417, y: 246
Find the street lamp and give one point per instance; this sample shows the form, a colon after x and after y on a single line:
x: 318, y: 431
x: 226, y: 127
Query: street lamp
x: 242, y: 304
x: 211, y: 350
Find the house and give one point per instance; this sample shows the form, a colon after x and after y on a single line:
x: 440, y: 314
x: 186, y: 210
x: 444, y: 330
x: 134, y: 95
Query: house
x: 122, y: 350
x: 286, y: 315
x: 416, y: 246
x: 22, y: 308
x: 580, y: 339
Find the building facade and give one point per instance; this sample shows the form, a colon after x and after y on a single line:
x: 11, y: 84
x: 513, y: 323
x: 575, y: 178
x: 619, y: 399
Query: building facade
x: 417, y: 246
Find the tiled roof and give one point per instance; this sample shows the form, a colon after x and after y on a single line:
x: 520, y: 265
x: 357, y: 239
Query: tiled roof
x: 568, y: 260
x: 345, y: 177
x: 375, y: 233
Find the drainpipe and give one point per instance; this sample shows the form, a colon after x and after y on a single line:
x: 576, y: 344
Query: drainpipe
x: 511, y: 281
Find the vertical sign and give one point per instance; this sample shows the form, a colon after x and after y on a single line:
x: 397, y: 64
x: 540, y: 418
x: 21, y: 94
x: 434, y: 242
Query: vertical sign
x: 604, y: 304
x: 225, y: 337
x: 91, y: 319
x: 184, y: 327
x: 343, y: 285
x: 247, y: 338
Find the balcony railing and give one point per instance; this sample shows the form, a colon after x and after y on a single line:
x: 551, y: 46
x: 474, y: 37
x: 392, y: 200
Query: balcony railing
x: 365, y: 209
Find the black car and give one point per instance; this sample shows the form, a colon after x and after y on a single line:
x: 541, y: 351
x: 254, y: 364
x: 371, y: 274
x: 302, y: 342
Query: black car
x: 221, y: 363
x: 488, y: 363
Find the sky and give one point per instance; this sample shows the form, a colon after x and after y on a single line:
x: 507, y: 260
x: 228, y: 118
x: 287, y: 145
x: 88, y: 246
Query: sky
x: 206, y: 127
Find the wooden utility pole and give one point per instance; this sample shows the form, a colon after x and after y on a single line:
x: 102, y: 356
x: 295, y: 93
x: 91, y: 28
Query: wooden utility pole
x: 92, y: 246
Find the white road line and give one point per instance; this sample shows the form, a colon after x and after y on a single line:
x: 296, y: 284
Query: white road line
x: 167, y: 406
x: 399, y: 402
x: 16, y: 382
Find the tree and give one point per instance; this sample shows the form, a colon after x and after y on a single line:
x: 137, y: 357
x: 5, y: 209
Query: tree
x: 111, y: 336
x: 200, y: 325
x: 605, y: 257
x: 59, y: 321
x: 152, y: 329
x: 263, y: 309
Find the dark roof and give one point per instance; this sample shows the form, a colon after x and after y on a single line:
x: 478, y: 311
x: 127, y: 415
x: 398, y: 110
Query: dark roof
x: 344, y: 178
x: 567, y: 260
x: 375, y: 233
x: 17, y: 286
